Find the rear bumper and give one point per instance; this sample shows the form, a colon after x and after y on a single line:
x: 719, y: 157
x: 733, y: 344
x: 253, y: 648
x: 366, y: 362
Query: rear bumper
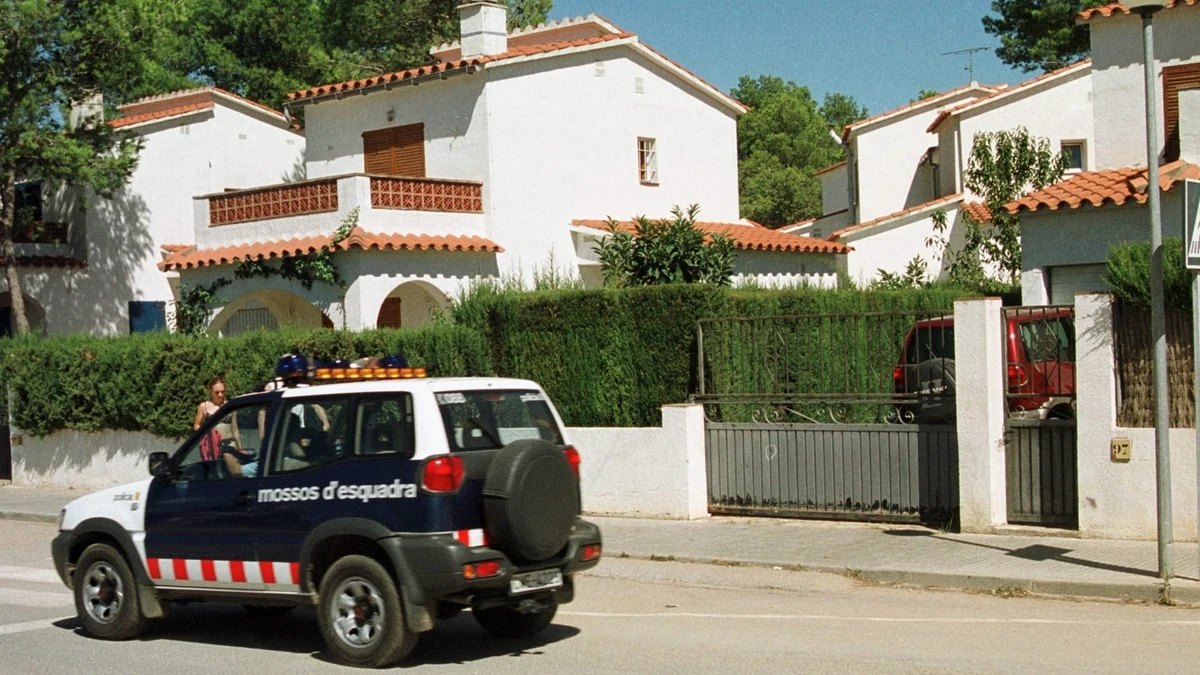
x: 431, y: 567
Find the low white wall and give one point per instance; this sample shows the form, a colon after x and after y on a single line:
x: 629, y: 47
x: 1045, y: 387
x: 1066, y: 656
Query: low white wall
x: 1117, y: 499
x: 656, y: 472
x: 84, y: 461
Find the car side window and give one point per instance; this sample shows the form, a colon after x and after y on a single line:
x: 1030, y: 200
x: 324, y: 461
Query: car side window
x: 385, y: 427
x: 227, y: 448
x: 312, y: 433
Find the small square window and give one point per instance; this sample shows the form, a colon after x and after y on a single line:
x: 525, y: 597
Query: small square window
x: 146, y: 317
x: 1073, y: 151
x: 647, y: 161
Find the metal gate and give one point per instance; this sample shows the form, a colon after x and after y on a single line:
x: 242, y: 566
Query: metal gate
x: 847, y: 416
x: 1040, y: 436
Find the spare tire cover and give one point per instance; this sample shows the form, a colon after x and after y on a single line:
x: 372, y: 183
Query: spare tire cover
x: 530, y: 500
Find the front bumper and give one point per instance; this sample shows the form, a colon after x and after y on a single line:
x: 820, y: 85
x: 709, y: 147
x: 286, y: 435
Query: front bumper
x: 431, y: 567
x: 60, y: 546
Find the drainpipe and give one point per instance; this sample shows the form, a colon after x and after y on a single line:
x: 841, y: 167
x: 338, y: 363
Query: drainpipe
x: 851, y: 172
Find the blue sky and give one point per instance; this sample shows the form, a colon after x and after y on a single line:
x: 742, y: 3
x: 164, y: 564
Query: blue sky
x: 881, y: 52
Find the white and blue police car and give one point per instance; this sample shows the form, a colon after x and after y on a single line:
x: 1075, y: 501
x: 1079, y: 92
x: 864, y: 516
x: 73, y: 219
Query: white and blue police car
x: 382, y: 498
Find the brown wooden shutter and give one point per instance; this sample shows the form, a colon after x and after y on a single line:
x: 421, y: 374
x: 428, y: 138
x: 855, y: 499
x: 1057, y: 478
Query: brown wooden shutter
x: 389, y: 314
x: 1176, y: 79
x: 396, y: 151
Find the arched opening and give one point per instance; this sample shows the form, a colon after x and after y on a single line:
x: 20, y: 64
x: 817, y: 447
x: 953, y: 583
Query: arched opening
x: 411, y: 305
x: 33, y: 312
x: 267, y: 309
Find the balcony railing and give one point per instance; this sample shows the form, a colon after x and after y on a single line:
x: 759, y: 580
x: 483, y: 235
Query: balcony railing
x: 274, y: 202
x: 425, y: 194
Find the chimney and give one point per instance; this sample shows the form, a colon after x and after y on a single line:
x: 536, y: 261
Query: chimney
x: 1189, y: 125
x: 89, y: 108
x: 484, y: 28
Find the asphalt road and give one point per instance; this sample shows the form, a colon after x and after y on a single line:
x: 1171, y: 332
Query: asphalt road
x: 634, y: 616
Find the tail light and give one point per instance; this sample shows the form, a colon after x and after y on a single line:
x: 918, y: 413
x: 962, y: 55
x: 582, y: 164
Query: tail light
x: 442, y: 474
x: 572, y: 456
x: 591, y: 552
x: 481, y: 570
x: 1016, y: 375
x: 898, y: 374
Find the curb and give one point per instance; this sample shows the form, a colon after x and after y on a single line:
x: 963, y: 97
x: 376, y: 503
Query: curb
x: 1141, y: 592
x: 28, y: 517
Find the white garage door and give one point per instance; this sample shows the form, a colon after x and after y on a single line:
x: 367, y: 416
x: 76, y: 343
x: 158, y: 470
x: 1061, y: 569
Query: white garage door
x: 1066, y: 280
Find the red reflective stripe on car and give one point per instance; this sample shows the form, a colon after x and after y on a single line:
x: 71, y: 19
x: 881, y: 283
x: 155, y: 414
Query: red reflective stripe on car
x: 180, y: 566
x: 296, y: 573
x: 208, y: 570
x: 152, y: 567
x: 268, y: 572
x: 237, y: 571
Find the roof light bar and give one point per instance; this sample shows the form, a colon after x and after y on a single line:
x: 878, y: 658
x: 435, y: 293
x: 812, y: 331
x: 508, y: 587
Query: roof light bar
x: 328, y: 374
x: 295, y: 369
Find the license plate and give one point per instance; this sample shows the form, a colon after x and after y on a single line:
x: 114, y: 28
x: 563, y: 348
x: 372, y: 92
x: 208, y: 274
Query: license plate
x: 535, y: 581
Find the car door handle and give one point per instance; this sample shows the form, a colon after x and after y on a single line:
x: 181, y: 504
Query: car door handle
x: 244, y: 499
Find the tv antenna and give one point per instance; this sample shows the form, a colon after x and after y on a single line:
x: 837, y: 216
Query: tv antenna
x: 970, y: 58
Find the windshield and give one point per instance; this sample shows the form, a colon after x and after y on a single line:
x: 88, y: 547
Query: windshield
x: 487, y: 420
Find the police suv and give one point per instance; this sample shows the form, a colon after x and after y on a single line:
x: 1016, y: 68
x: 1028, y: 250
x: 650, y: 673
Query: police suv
x: 381, y: 498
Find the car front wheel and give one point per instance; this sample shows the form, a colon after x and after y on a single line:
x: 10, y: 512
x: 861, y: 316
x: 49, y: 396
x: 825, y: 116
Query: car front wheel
x: 106, y: 596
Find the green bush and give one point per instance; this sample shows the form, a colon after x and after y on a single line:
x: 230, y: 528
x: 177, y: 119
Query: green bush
x: 1129, y: 274
x: 153, y: 381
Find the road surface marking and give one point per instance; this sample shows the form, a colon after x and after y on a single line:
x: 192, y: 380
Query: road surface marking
x: 870, y: 619
x: 27, y: 626
x: 14, y: 597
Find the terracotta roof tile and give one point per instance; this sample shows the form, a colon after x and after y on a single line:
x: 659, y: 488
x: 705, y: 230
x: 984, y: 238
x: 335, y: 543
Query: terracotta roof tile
x: 978, y: 211
x: 157, y: 100
x: 918, y: 103
x: 130, y: 120
x: 827, y: 169
x: 1100, y: 187
x: 744, y: 237
x: 893, y: 216
x: 190, y: 257
x: 448, y: 66
x: 1115, y: 8
x: 950, y: 112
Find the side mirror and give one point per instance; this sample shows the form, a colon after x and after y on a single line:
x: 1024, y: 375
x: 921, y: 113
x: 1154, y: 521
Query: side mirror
x: 160, y: 466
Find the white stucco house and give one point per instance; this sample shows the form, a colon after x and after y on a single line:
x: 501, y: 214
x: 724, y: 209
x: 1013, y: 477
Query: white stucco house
x: 904, y: 165
x: 1068, y: 228
x: 499, y: 159
x: 92, y: 267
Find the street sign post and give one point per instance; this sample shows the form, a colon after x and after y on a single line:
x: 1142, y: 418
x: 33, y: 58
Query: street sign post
x: 1191, y: 255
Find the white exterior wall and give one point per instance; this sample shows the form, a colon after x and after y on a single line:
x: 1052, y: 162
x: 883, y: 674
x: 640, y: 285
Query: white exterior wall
x: 200, y: 153
x: 1060, y: 112
x: 834, y: 196
x: 774, y: 269
x: 891, y: 175
x: 979, y: 360
x: 1117, y: 72
x: 563, y: 146
x: 1117, y: 499
x: 892, y: 245
x: 85, y: 461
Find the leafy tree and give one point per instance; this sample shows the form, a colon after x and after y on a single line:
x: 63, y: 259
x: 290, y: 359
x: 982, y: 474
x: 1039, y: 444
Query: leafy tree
x: 781, y: 142
x: 54, y: 54
x: 1003, y: 166
x: 924, y: 94
x: 669, y: 251
x: 1039, y: 33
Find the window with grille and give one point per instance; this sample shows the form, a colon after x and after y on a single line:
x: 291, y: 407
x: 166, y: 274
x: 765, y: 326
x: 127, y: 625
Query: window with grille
x: 395, y: 151
x: 1175, y: 80
x: 147, y: 316
x: 648, y: 161
x: 248, y: 319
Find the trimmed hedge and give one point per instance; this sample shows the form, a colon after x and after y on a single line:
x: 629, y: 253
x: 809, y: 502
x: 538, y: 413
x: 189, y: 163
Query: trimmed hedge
x: 154, y: 381
x: 614, y: 357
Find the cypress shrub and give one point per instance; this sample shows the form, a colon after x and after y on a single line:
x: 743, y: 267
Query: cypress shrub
x: 1129, y: 274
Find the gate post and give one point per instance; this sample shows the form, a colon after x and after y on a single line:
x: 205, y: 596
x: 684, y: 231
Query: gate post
x: 980, y: 386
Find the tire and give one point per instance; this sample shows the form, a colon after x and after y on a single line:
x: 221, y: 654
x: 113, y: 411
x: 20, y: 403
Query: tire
x: 268, y: 611
x: 360, y: 614
x: 106, y: 595
x: 508, y: 623
x: 530, y: 500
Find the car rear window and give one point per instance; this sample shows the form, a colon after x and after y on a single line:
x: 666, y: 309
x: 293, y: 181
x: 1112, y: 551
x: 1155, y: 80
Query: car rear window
x: 930, y: 343
x: 486, y: 420
x: 1049, y: 339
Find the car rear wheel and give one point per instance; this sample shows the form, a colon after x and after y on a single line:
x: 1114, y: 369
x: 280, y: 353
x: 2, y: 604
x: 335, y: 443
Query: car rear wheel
x: 106, y: 595
x: 511, y: 623
x: 360, y: 614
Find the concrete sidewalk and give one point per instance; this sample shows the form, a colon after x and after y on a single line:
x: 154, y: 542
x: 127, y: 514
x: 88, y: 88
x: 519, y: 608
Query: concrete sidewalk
x: 1001, y: 563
